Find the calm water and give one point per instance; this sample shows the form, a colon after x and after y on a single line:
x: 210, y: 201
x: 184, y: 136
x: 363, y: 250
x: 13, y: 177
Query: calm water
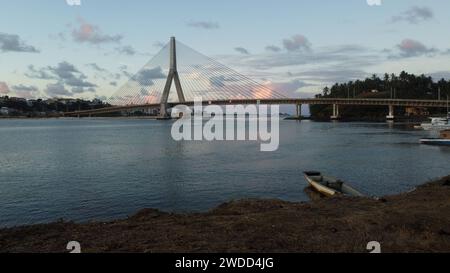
x: 103, y: 169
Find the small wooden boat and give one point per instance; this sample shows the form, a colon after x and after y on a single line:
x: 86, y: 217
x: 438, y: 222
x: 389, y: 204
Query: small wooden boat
x: 329, y: 186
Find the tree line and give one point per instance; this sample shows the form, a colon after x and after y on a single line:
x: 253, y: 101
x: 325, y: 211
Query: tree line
x: 19, y: 107
x: 402, y: 86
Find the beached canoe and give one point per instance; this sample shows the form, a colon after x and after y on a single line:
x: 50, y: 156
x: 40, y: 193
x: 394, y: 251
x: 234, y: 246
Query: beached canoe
x: 329, y: 186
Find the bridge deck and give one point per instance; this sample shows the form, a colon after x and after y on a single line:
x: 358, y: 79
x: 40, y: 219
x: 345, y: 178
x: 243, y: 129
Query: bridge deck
x: 287, y: 101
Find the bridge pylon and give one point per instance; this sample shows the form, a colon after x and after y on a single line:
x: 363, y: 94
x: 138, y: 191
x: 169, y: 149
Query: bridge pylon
x: 173, y: 76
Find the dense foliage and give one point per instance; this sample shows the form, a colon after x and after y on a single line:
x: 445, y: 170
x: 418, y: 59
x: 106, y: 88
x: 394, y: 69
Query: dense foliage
x: 402, y: 86
x: 23, y: 107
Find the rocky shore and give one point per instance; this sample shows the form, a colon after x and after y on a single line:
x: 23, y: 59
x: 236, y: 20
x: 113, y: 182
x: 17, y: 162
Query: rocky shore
x: 418, y: 221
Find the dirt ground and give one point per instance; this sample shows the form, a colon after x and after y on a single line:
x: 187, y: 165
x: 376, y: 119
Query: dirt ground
x: 418, y: 221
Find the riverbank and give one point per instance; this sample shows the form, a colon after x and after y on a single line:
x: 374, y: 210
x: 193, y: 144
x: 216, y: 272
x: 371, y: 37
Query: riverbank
x: 418, y: 221
x: 96, y: 117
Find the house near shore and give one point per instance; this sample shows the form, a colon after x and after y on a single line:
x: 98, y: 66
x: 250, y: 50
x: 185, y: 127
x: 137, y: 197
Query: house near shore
x: 416, y: 111
x: 4, y: 111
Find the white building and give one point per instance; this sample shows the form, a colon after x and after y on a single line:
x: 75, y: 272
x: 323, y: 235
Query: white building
x: 4, y: 111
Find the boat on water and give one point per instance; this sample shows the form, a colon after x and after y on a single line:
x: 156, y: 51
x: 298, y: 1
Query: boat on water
x: 329, y: 186
x: 443, y: 140
x: 436, y: 124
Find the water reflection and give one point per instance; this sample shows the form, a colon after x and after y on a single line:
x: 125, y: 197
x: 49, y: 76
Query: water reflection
x: 107, y: 168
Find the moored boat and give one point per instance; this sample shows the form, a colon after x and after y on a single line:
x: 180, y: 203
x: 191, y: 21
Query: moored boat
x: 443, y: 140
x: 329, y: 186
x: 436, y: 124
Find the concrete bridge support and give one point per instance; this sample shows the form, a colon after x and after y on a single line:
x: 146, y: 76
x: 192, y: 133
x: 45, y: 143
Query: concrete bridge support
x: 298, y: 108
x: 391, y: 113
x: 335, y: 115
x: 172, y: 77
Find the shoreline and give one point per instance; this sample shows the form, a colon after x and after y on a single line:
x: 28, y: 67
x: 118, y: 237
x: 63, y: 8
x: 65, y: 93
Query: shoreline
x: 76, y: 118
x: 417, y: 221
x: 313, y: 119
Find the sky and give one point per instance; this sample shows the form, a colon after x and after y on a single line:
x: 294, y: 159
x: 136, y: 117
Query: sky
x: 49, y: 48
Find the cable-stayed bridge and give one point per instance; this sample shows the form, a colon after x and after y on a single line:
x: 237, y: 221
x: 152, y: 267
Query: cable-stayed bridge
x: 193, y: 75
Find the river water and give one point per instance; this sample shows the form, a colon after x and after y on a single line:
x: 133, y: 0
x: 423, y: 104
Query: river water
x: 101, y: 169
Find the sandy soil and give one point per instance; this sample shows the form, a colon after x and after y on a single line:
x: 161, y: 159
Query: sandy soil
x: 418, y: 221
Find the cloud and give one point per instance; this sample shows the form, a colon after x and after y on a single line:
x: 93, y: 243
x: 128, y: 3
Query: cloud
x: 412, y: 48
x: 414, y: 15
x: 96, y: 67
x: 24, y: 91
x: 345, y: 49
x: 64, y: 70
x: 124, y: 70
x: 297, y: 43
x: 332, y: 74
x: 126, y: 50
x: 22, y: 87
x: 79, y: 90
x: 102, y: 73
x: 204, y: 24
x: 159, y: 44
x: 146, y: 76
x: 344, y: 56
x: 42, y: 73
x: 117, y: 76
x: 91, y: 34
x: 318, y: 67
x: 102, y: 98
x: 113, y: 83
x: 374, y: 2
x: 220, y: 81
x: 56, y: 90
x: 273, y: 48
x: 70, y: 75
x: 144, y: 92
x: 440, y: 75
x: 13, y: 43
x: 242, y: 50
x: 289, y: 88
x: 66, y: 74
x: 4, y: 89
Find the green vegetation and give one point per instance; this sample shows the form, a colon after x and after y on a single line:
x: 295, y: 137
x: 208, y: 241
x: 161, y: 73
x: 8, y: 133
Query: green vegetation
x: 403, y: 86
x: 17, y: 107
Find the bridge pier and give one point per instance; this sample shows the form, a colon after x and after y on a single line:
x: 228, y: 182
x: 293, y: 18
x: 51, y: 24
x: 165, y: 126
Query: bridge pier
x: 391, y: 113
x: 173, y: 76
x: 163, y: 113
x: 163, y: 110
x: 298, y: 108
x: 335, y: 115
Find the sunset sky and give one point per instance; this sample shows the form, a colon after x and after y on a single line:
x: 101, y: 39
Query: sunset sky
x: 49, y: 48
